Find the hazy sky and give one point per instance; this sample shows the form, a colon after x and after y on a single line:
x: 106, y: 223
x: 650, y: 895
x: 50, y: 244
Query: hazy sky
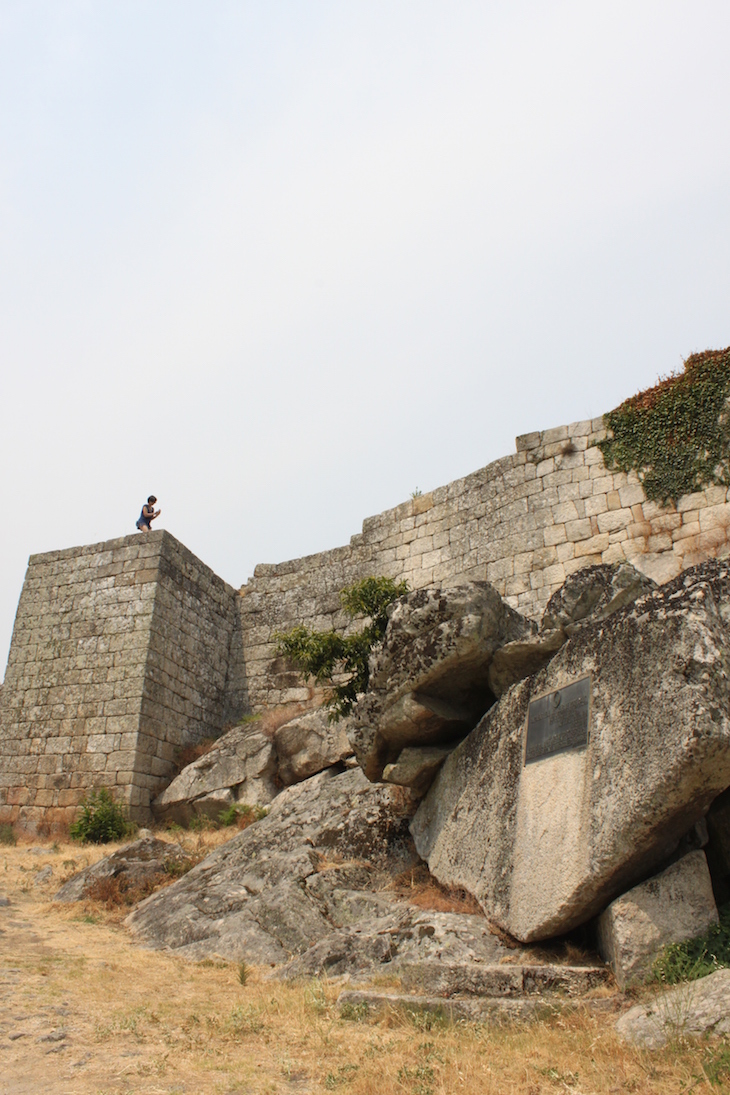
x: 283, y: 262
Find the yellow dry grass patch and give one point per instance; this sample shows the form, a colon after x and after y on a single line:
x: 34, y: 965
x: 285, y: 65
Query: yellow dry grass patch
x: 138, y: 1021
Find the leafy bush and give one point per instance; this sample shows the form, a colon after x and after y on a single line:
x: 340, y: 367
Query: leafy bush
x: 100, y: 819
x: 7, y: 834
x: 697, y: 957
x: 325, y: 655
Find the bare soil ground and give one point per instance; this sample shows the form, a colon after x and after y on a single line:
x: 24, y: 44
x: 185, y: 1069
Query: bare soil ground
x: 84, y: 1010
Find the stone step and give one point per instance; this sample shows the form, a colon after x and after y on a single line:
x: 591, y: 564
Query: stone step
x: 503, y: 981
x: 357, y: 1004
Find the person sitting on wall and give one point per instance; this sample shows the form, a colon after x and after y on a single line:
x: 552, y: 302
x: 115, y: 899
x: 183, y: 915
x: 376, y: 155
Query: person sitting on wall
x: 148, y: 515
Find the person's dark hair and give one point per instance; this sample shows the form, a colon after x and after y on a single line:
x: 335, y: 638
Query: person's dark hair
x: 151, y: 500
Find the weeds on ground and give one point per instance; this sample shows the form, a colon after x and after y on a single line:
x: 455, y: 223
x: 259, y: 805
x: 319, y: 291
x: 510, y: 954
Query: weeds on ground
x: 100, y: 820
x: 697, y: 957
x: 716, y: 1065
x: 7, y: 834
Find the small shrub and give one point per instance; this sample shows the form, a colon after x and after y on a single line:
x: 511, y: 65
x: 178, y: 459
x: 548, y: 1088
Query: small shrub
x: 325, y: 655
x: 697, y: 957
x: 242, y: 973
x: 100, y: 820
x: 241, y: 815
x: 7, y: 834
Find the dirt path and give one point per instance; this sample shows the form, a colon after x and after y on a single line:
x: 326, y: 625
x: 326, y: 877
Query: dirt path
x: 85, y: 1011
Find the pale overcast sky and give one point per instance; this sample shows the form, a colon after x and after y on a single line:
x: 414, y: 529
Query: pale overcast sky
x: 282, y: 262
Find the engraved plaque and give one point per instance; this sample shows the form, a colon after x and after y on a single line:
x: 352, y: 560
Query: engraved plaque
x: 558, y: 721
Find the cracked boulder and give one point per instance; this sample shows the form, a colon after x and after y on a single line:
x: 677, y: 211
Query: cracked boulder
x: 429, y: 679
x: 308, y: 744
x: 312, y: 865
x: 239, y: 768
x: 544, y: 846
x: 587, y: 597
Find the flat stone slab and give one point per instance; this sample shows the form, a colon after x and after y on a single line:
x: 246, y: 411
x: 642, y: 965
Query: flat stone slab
x: 504, y: 981
x: 698, y: 1007
x: 354, y: 1003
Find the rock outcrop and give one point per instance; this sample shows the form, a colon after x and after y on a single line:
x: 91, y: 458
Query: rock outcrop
x: 699, y: 1007
x: 429, y: 679
x: 239, y: 768
x: 545, y: 846
x: 308, y: 744
x: 593, y: 594
x: 141, y: 862
x: 673, y: 906
x: 311, y: 866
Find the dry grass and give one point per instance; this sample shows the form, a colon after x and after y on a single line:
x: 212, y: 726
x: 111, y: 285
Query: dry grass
x: 419, y: 887
x: 145, y: 1022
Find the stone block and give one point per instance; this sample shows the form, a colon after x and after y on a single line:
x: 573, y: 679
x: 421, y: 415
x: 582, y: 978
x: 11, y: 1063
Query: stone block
x: 717, y: 516
x: 555, y: 534
x: 673, y: 906
x: 564, y: 511
x: 631, y: 495
x: 569, y: 492
x: 695, y: 501
x: 593, y: 456
x: 596, y: 545
x: 614, y: 553
x: 666, y: 522
x: 614, y: 519
x: 578, y: 530
x: 595, y: 504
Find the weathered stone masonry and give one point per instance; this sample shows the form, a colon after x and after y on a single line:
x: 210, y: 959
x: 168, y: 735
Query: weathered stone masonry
x: 125, y: 650
x: 522, y: 523
x: 121, y: 653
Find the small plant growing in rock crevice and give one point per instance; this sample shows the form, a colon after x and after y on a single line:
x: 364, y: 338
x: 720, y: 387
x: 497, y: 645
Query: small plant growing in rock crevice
x: 7, y: 834
x: 697, y: 957
x: 325, y: 655
x: 100, y: 819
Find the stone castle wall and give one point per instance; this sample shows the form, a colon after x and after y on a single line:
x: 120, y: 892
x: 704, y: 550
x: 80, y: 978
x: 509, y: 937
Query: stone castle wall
x: 121, y: 653
x: 125, y: 651
x: 523, y: 523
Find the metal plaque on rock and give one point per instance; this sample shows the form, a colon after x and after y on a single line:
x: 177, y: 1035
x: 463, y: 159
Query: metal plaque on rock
x: 558, y: 721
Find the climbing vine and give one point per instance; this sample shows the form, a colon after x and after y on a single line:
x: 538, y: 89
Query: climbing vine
x: 676, y: 436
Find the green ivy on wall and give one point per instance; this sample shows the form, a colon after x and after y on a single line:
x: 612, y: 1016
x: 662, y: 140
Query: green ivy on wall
x: 676, y: 436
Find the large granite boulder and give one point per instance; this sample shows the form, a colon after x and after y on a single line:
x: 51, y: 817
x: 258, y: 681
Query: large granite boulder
x: 673, y: 906
x: 144, y: 861
x: 312, y: 865
x: 429, y: 678
x: 239, y: 768
x: 546, y: 845
x: 308, y: 744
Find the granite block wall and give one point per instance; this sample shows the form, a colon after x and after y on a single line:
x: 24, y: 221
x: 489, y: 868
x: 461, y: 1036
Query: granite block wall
x: 125, y: 651
x: 120, y: 654
x: 523, y: 523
